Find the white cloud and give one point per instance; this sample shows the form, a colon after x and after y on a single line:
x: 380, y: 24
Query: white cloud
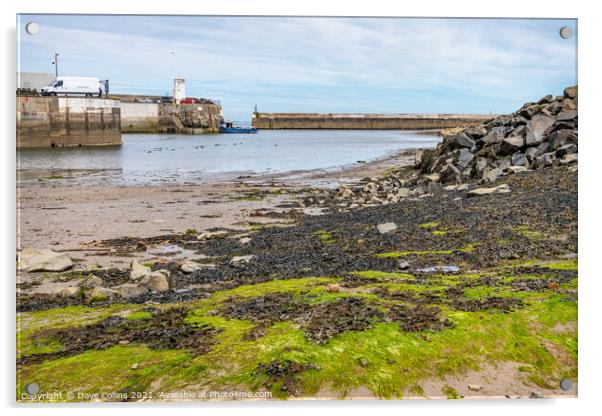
x: 504, y: 60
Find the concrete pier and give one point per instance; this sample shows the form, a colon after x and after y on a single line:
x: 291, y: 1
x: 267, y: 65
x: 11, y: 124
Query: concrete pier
x: 365, y: 121
x: 67, y: 121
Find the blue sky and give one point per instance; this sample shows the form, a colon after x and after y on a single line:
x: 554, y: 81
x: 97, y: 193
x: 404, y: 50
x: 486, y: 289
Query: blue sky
x: 286, y: 64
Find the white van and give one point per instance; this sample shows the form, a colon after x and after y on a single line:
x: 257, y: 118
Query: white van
x: 88, y: 87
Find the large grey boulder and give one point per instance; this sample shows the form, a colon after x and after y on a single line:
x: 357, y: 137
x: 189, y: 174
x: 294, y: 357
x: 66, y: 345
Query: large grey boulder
x: 464, y: 140
x: 519, y: 159
x: 512, y: 144
x: 570, y: 92
x: 567, y: 115
x: 493, y: 137
x: 476, y: 132
x: 465, y: 157
x: 547, y: 159
x: 34, y: 260
x: 530, y: 153
x: 536, y: 128
x: 567, y: 149
x: 450, y: 174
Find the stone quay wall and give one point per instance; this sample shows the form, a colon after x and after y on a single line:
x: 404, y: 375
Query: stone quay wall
x: 67, y: 121
x: 365, y: 121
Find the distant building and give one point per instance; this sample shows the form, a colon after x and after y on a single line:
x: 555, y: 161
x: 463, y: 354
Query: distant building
x: 33, y: 80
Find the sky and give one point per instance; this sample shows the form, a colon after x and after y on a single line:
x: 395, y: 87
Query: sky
x: 303, y: 64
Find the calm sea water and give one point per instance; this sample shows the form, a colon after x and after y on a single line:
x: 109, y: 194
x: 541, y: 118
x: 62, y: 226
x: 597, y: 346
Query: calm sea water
x: 144, y: 158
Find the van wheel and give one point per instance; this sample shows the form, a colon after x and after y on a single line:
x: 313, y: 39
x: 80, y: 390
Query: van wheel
x: 52, y: 94
x: 88, y: 95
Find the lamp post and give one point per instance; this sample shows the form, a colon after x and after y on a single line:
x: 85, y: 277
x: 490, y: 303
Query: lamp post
x: 56, y: 65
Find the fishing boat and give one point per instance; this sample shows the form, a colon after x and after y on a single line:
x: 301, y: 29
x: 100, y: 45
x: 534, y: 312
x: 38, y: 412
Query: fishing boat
x: 228, y: 127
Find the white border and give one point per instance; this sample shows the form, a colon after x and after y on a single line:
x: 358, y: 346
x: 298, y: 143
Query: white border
x: 589, y: 184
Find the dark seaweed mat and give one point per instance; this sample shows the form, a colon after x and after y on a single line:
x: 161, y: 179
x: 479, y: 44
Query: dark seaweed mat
x: 164, y: 330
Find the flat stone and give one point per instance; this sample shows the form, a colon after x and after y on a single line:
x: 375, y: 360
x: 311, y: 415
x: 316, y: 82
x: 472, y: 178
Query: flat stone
x: 241, y: 261
x: 165, y: 250
x: 501, y: 189
x: 211, y: 234
x: 245, y: 240
x: 190, y: 266
x: 475, y: 387
x: 34, y: 260
x: 386, y: 227
x: 517, y: 169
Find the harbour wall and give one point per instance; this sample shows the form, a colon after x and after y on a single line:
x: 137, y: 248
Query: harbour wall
x: 77, y: 121
x: 67, y: 121
x: 170, y: 118
x: 365, y: 121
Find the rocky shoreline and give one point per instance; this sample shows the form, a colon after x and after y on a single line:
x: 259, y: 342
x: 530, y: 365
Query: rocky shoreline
x: 473, y: 245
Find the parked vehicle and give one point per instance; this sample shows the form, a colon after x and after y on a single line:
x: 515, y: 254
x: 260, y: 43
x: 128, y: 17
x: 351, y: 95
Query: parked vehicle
x: 77, y: 86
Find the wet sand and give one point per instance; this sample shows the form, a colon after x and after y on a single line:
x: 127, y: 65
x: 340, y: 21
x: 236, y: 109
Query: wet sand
x: 68, y: 210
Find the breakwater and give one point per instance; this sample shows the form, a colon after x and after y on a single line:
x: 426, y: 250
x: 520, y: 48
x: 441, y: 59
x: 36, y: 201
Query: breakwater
x: 365, y: 121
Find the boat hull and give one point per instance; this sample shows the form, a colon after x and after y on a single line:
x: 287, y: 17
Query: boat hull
x: 238, y: 130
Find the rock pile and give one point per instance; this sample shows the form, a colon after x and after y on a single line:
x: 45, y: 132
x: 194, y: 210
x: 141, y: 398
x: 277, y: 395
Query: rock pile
x: 538, y: 135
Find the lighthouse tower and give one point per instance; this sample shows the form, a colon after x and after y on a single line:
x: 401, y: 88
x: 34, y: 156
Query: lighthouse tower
x: 179, y: 92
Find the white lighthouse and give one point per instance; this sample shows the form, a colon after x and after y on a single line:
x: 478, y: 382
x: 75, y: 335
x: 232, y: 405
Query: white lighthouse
x: 179, y: 91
